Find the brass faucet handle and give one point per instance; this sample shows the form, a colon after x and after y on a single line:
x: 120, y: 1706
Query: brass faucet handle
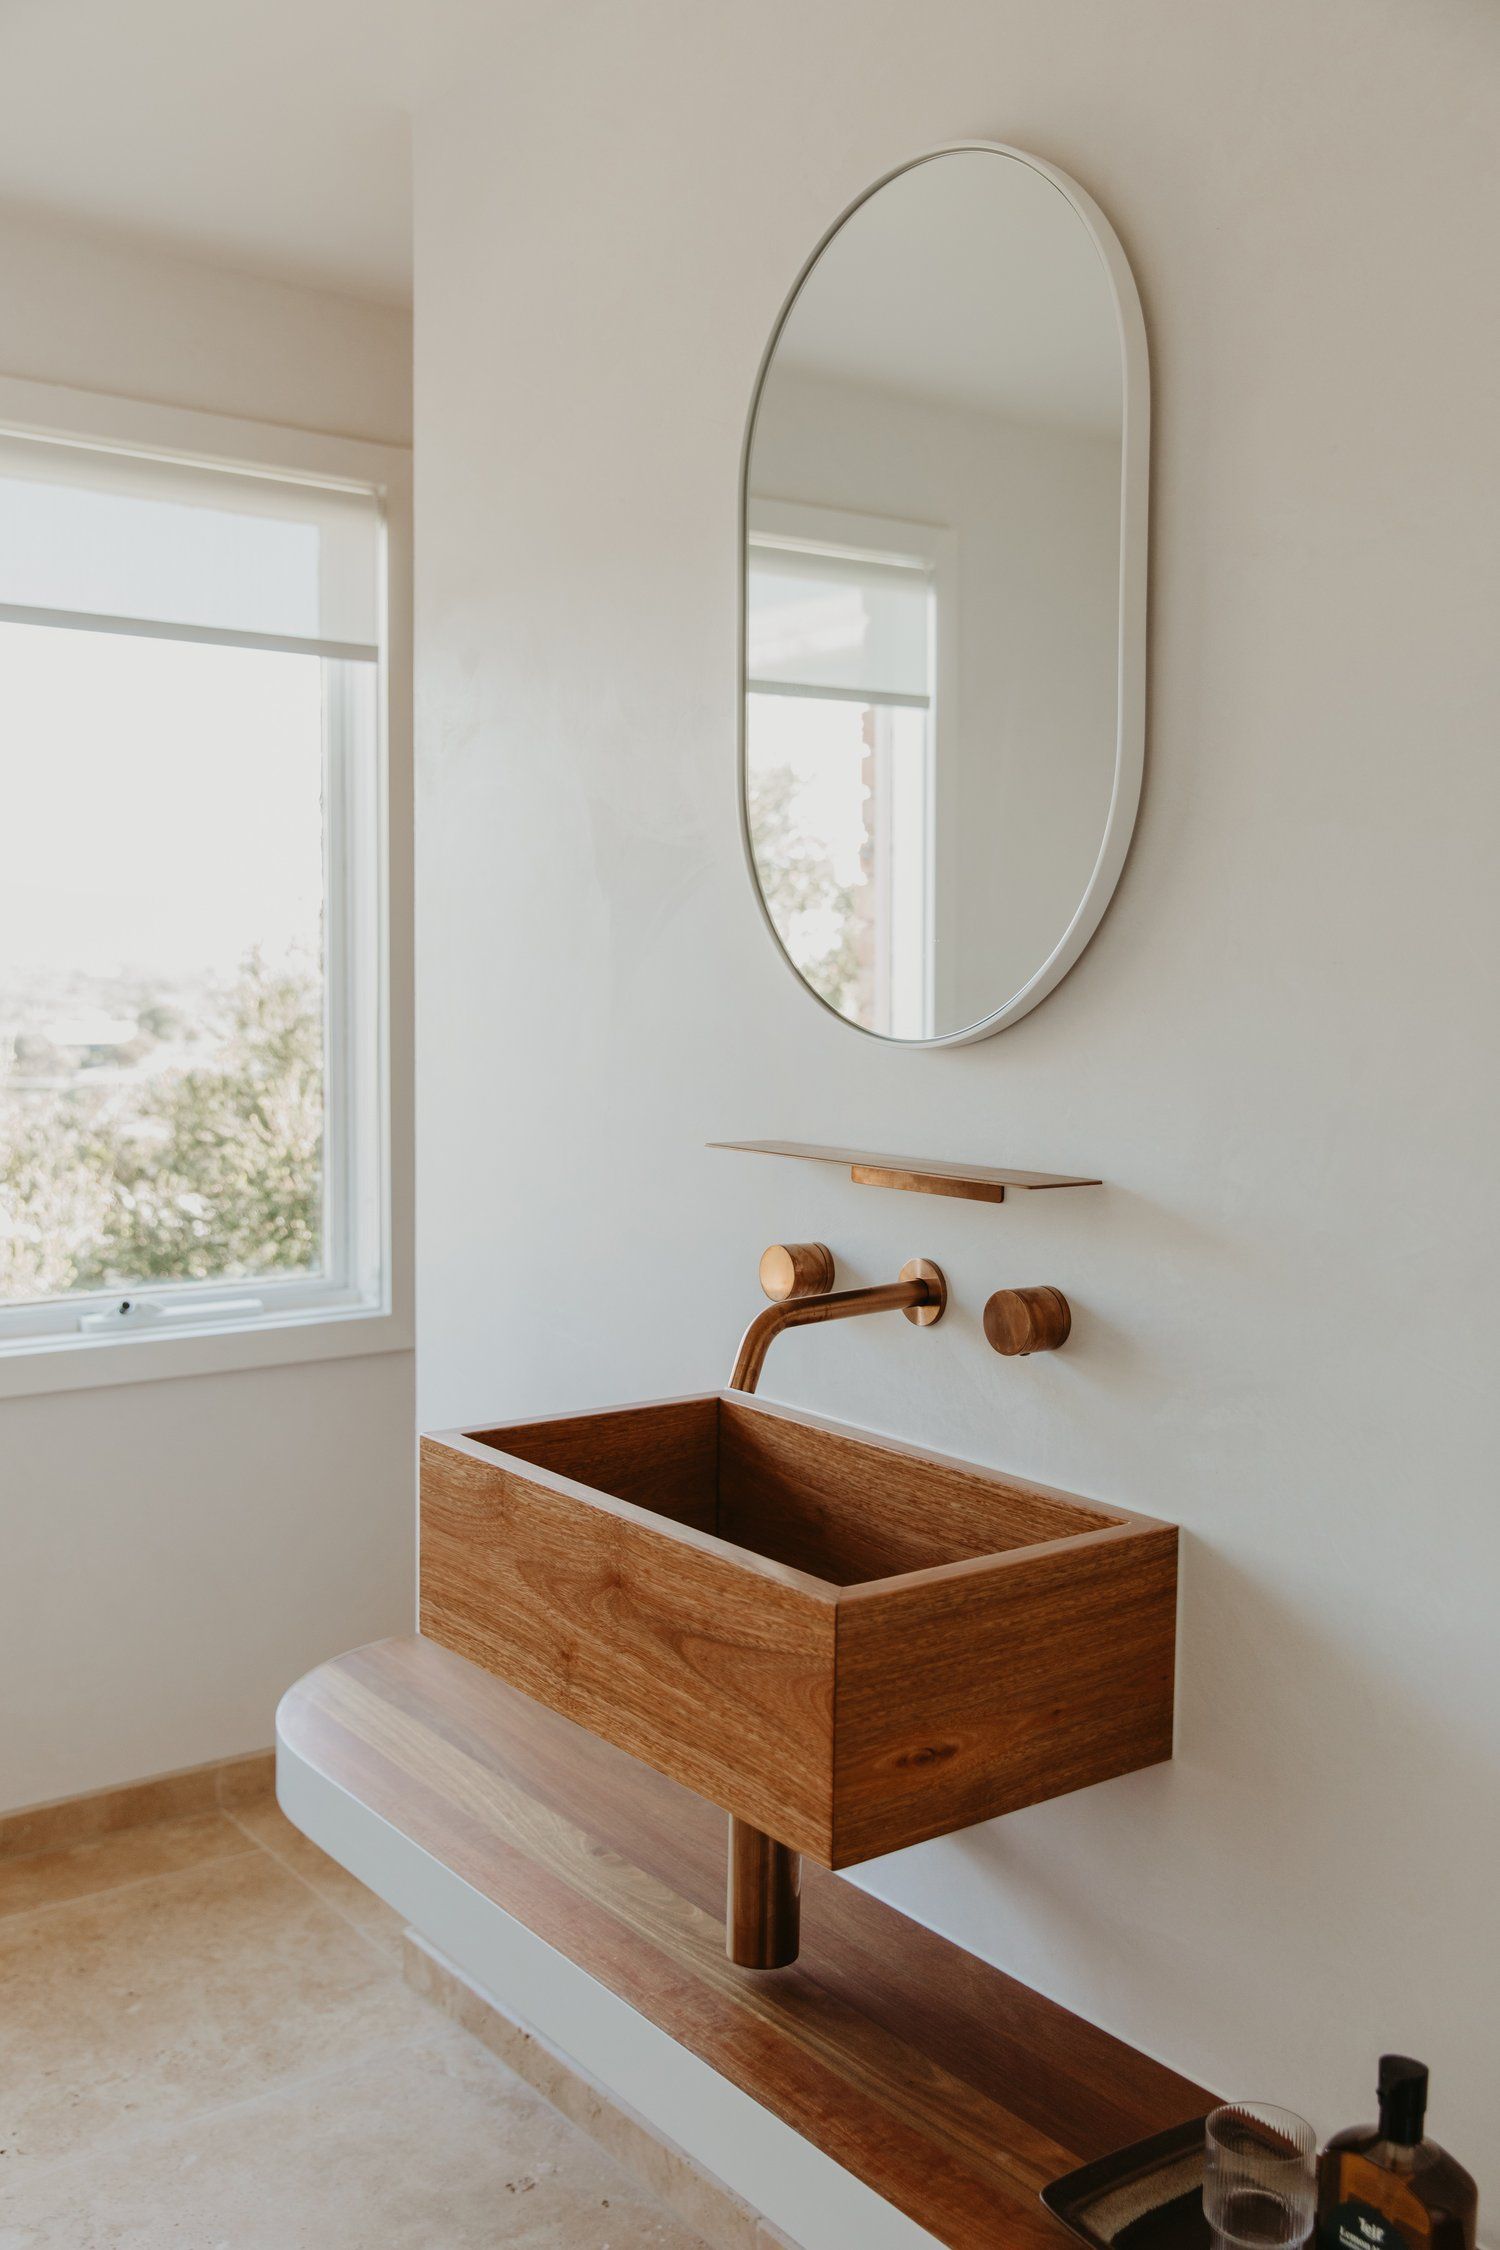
x: 1018, y: 1321
x: 796, y: 1269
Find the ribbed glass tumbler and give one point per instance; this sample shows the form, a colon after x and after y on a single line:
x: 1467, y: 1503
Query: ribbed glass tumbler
x: 1259, y: 2177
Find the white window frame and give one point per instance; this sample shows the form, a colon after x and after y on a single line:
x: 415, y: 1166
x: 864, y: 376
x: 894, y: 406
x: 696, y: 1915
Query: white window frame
x: 362, y: 1304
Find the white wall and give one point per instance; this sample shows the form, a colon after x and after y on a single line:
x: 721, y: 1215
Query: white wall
x: 107, y: 314
x: 1279, y: 1051
x: 1026, y: 748
x: 176, y: 1553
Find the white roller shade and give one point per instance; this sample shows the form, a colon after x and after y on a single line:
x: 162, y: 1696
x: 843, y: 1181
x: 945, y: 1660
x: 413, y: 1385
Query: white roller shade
x: 139, y: 544
x: 848, y: 626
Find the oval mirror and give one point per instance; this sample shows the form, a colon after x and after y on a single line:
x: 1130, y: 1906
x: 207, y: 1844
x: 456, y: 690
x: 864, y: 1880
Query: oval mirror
x: 943, y: 597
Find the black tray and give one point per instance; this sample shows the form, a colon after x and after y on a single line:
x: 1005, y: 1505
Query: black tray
x: 1149, y: 2197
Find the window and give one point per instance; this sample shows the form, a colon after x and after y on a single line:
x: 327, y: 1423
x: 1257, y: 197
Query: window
x: 840, y: 662
x: 191, y: 1004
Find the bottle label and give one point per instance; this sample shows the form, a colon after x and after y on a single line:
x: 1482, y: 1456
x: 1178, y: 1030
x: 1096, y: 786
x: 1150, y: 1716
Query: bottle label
x: 1359, y: 2226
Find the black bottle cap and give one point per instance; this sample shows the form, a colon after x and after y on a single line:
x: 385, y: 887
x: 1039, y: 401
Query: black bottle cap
x: 1403, y: 2099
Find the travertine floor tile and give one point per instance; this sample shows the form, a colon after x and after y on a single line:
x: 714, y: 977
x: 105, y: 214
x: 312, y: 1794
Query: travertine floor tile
x: 50, y: 1878
x: 265, y: 1822
x: 243, y: 1780
x: 202, y: 2049
x: 693, y: 2197
x: 431, y: 2146
x: 148, y: 2005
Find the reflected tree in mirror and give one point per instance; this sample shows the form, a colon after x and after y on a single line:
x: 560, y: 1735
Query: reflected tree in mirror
x: 802, y: 888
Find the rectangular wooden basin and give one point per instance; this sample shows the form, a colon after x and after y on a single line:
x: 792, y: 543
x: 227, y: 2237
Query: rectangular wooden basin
x: 846, y: 1641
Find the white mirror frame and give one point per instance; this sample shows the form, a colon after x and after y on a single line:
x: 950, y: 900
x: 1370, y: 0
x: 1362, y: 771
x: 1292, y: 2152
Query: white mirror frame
x: 1130, y: 739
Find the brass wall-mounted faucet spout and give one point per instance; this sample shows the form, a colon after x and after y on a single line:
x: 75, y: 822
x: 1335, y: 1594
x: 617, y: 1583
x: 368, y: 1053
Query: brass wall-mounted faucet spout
x: 921, y: 1293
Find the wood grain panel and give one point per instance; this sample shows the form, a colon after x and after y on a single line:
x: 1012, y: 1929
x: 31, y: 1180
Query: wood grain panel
x: 712, y: 1667
x: 791, y: 1620
x: 1046, y: 1672
x: 947, y: 2087
x: 848, y: 1508
x: 1061, y: 2073
x: 661, y: 1456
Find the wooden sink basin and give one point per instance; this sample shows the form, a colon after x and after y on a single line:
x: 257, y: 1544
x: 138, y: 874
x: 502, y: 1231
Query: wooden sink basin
x: 847, y: 1642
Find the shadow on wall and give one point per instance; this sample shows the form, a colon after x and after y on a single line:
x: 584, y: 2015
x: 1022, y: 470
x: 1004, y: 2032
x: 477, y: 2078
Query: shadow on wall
x: 1267, y: 1685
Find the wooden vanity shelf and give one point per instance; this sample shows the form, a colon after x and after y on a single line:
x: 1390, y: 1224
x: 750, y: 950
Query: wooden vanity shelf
x: 921, y: 1175
x: 947, y: 2087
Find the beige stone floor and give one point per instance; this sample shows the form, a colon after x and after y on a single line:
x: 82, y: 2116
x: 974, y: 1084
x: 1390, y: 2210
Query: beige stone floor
x: 206, y: 2043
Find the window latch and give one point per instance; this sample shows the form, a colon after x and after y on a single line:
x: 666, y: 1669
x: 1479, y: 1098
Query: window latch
x: 147, y: 1312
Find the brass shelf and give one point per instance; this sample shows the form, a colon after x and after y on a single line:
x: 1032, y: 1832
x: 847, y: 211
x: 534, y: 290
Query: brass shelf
x: 920, y: 1175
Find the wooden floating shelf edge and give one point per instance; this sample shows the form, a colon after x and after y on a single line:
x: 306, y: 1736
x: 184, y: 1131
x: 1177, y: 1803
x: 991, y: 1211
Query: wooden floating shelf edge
x: 942, y: 2084
x: 917, y: 1175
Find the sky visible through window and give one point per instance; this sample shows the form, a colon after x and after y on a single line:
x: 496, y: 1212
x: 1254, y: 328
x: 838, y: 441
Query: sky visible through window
x: 162, y: 801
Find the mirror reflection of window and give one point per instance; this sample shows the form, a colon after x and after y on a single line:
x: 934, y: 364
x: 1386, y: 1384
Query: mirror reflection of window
x: 840, y: 661
x: 945, y: 409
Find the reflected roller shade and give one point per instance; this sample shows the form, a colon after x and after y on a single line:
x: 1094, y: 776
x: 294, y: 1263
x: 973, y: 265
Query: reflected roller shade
x: 853, y: 627
x: 131, y: 543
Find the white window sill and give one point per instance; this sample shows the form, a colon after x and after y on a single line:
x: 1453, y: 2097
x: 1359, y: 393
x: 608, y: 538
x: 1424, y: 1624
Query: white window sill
x: 33, y: 1365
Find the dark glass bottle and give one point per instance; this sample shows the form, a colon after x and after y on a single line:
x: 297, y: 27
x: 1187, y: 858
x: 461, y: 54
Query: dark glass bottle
x: 1383, y: 2187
